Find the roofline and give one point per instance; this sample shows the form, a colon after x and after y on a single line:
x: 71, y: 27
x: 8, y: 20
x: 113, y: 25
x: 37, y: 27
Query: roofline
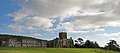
x: 19, y: 36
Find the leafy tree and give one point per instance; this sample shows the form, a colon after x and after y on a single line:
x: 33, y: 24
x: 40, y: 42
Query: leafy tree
x: 76, y: 44
x: 80, y: 40
x: 91, y: 44
x: 112, y: 45
x: 76, y: 41
x: 87, y: 44
x: 96, y: 45
x: 79, y: 43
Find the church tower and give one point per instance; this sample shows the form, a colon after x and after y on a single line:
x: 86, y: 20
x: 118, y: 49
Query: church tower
x: 63, y: 35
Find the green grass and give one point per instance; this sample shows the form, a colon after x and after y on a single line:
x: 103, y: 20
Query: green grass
x: 51, y: 50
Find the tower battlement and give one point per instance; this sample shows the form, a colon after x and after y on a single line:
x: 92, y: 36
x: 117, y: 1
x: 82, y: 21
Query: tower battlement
x: 63, y: 35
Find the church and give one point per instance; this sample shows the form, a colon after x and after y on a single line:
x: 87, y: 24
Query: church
x: 23, y: 41
x: 61, y: 42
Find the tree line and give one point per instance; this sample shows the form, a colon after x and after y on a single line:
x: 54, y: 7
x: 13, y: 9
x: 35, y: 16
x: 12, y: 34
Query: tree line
x: 111, y: 45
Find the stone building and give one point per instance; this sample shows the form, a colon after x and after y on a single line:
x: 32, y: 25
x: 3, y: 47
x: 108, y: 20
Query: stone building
x: 22, y: 41
x: 61, y: 42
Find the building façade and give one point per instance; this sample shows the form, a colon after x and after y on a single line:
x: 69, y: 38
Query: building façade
x: 61, y: 42
x: 22, y: 41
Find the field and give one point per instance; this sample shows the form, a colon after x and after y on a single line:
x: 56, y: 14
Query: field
x: 51, y: 50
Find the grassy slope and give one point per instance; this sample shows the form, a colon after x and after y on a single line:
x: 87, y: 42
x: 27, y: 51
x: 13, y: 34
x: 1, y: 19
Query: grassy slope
x: 48, y: 50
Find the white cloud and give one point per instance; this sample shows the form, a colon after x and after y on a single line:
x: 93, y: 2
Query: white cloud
x: 67, y: 25
x: 114, y: 23
x: 98, y: 30
x: 39, y: 22
x: 35, y: 34
x: 103, y: 16
x: 51, y: 8
x: 70, y: 28
x: 86, y: 13
x: 31, y: 23
x: 17, y: 27
x: 110, y: 34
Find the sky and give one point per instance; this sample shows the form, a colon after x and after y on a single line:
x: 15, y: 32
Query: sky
x: 96, y: 20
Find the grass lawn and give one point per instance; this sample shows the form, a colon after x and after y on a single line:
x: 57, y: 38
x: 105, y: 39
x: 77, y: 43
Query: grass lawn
x: 51, y: 50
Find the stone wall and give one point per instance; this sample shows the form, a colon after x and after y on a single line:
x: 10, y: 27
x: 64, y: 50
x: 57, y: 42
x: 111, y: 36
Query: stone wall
x: 21, y: 41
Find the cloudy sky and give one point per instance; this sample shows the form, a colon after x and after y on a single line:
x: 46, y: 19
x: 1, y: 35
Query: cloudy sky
x: 97, y: 20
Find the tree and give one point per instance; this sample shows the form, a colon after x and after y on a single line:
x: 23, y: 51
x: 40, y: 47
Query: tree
x: 114, y: 42
x: 112, y: 45
x: 96, y: 45
x: 87, y: 44
x: 80, y: 40
x: 78, y: 43
x: 91, y: 44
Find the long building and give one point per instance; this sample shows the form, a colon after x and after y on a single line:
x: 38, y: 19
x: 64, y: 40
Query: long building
x: 22, y: 41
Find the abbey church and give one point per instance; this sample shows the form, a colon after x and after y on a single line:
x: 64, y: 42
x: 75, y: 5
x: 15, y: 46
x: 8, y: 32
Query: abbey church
x: 61, y: 42
x: 23, y: 41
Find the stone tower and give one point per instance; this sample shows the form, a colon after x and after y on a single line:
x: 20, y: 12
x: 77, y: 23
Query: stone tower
x: 63, y: 35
